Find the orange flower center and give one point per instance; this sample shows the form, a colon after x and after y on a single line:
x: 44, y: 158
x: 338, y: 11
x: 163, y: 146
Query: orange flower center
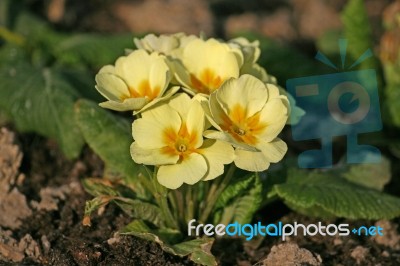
x: 242, y: 128
x: 207, y: 82
x: 144, y: 90
x: 180, y: 143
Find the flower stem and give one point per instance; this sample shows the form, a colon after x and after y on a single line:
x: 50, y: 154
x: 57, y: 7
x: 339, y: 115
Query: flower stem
x: 162, y: 200
x: 189, y: 203
x: 214, y: 193
x: 178, y: 198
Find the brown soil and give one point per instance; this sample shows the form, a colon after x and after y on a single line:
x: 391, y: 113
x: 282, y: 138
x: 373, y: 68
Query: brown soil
x: 51, y: 231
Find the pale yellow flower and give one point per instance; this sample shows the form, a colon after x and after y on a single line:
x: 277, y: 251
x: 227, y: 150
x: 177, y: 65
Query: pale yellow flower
x: 203, y: 65
x: 295, y: 113
x: 251, y: 53
x: 136, y: 82
x: 249, y: 114
x: 165, y: 43
x: 171, y: 136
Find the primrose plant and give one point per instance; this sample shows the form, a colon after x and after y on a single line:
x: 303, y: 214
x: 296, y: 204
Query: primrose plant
x: 206, y: 122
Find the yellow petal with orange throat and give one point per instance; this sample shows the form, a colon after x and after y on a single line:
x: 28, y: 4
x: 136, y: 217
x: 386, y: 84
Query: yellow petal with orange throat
x: 207, y: 64
x: 137, y: 76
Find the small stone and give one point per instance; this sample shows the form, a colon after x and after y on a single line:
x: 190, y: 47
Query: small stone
x: 337, y: 241
x: 45, y: 244
x: 390, y: 237
x: 359, y: 254
x: 114, y: 240
x: 290, y: 254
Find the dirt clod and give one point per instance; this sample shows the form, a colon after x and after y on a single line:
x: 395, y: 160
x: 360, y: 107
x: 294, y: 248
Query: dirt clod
x: 13, y: 204
x: 10, y: 160
x: 390, y: 237
x: 290, y: 254
x: 359, y: 254
x: 50, y: 197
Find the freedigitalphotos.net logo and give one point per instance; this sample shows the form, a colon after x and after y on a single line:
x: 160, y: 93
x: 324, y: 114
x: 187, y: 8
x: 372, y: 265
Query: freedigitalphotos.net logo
x: 339, y: 104
x: 249, y: 231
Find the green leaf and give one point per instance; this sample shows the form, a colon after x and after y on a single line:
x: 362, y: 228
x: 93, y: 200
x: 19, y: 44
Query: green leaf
x: 105, y: 191
x: 83, y: 82
x: 99, y: 187
x: 141, y: 210
x: 92, y: 206
x: 94, y: 50
x: 162, y: 236
x: 307, y: 192
x: 198, y: 250
x: 239, y: 201
x: 248, y: 203
x: 39, y: 39
x: 370, y: 175
x: 110, y: 137
x: 40, y: 100
x: 357, y: 31
x: 234, y: 190
x: 12, y: 55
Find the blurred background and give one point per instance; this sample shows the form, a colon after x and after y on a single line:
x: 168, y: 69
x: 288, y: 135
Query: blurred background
x: 294, y: 21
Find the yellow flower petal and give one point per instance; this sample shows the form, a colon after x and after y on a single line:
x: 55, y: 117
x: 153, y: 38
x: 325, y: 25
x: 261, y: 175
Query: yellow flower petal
x: 216, y: 153
x: 134, y: 68
x: 151, y: 156
x: 111, y: 87
x: 126, y: 105
x: 274, y: 150
x: 134, y: 82
x: 274, y: 114
x: 159, y: 75
x: 223, y: 136
x: 181, y: 103
x: 251, y: 161
x: 149, y: 131
x: 195, y: 123
x: 205, y: 65
x: 247, y: 92
x: 190, y: 170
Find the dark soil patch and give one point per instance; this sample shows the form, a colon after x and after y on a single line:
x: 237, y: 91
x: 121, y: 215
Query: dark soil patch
x: 57, y: 237
x: 59, y: 233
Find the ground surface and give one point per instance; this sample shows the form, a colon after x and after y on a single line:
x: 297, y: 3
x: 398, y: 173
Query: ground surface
x: 44, y: 201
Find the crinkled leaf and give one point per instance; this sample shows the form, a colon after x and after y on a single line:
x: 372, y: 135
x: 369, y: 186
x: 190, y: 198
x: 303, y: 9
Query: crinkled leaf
x: 235, y: 189
x: 371, y: 175
x: 110, y: 137
x: 40, y: 100
x: 105, y: 191
x: 307, y: 192
x: 141, y: 210
x: 99, y: 187
x: 239, y: 201
x: 198, y: 250
x: 93, y: 205
x: 248, y: 203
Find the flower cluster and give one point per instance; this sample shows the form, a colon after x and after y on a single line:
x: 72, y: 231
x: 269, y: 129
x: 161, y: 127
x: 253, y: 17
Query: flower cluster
x: 228, y: 109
